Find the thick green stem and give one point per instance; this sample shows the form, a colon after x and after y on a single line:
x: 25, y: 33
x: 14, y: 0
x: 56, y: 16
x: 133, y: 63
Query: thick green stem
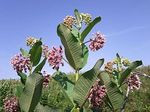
x: 77, y: 75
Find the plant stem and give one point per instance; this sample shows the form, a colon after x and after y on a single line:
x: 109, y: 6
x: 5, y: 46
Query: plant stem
x: 87, y: 41
x: 77, y: 75
x: 125, y: 100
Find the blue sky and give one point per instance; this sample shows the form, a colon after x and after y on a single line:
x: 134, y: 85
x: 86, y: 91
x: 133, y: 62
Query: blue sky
x: 124, y: 22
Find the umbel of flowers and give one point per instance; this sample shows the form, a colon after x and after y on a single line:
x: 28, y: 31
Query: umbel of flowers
x: 93, y: 87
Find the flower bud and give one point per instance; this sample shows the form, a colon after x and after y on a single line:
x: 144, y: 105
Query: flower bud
x: 31, y: 41
x: 86, y: 18
x: 109, y: 67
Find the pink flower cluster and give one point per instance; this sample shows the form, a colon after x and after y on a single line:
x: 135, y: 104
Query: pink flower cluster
x: 97, y: 42
x: 11, y: 104
x: 97, y: 93
x: 69, y: 21
x: 134, y: 82
x: 20, y: 63
x: 46, y: 79
x: 55, y: 57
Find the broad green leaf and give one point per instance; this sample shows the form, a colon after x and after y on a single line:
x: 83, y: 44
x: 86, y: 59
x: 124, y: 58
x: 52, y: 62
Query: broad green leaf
x: 40, y: 66
x: 89, y: 28
x: 31, y: 93
x: 85, y: 82
x: 76, y: 33
x: 73, y: 49
x: 85, y: 54
x: 35, y: 53
x: 114, y: 96
x: 23, y: 77
x: 19, y: 90
x: 66, y: 84
x: 78, y: 18
x: 127, y: 72
x: 24, y: 52
x: 41, y: 108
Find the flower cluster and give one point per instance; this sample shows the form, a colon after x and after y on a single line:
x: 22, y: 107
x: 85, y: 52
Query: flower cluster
x: 97, y: 93
x: 55, y: 57
x: 21, y: 63
x: 126, y: 62
x: 46, y: 79
x: 97, y: 42
x: 134, y: 82
x: 86, y: 18
x: 31, y: 41
x: 11, y: 104
x: 69, y: 21
x: 109, y: 67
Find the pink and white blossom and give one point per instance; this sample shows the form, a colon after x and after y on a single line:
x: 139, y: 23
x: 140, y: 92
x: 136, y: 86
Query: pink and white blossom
x: 97, y: 42
x: 11, y: 104
x: 55, y: 57
x: 97, y: 93
x: 21, y: 63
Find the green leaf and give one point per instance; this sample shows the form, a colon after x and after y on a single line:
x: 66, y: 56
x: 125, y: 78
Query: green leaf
x: 76, y: 34
x: 118, y: 58
x: 35, y: 53
x: 89, y: 28
x: 85, y: 54
x: 23, y: 77
x: 114, y: 96
x: 24, y: 52
x: 19, y: 90
x: 41, y: 108
x: 78, y: 18
x: 31, y: 93
x: 40, y: 66
x: 73, y: 49
x: 85, y: 82
x: 66, y: 84
x: 127, y: 72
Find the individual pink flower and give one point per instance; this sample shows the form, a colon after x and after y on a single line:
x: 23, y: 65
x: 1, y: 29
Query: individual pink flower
x: 11, y: 104
x: 134, y: 82
x: 97, y: 93
x: 55, y: 57
x: 46, y: 79
x: 97, y: 42
x: 21, y: 63
x: 45, y: 50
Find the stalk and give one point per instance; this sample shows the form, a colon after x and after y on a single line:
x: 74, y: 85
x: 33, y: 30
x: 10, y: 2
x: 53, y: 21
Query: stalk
x: 125, y: 100
x: 77, y: 75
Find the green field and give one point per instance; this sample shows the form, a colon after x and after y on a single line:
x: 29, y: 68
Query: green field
x: 139, y: 101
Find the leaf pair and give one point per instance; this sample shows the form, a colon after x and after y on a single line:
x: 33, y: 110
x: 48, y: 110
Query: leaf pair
x: 76, y: 52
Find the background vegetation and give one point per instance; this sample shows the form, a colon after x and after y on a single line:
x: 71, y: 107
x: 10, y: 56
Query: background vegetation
x: 139, y: 101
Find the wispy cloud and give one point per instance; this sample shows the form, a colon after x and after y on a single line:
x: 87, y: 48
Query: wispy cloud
x: 124, y: 31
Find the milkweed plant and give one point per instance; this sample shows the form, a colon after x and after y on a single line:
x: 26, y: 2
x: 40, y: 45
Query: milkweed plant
x: 92, y: 91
